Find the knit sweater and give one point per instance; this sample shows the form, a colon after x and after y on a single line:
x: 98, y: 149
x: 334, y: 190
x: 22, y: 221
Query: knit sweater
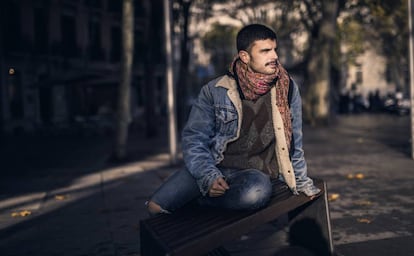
x: 255, y: 148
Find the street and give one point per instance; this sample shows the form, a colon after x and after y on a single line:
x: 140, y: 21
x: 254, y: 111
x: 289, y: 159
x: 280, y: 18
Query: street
x: 60, y: 196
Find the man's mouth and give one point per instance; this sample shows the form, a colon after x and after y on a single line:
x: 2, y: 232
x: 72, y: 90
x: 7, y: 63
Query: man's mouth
x: 272, y: 64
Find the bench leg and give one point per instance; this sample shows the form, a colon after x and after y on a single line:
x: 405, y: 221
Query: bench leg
x: 310, y: 226
x: 149, y: 245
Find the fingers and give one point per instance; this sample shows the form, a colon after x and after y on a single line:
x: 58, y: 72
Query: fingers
x: 215, y: 193
x: 222, y: 183
x: 218, y: 188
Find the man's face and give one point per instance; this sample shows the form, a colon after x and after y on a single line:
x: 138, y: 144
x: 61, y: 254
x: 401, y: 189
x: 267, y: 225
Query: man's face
x: 262, y: 57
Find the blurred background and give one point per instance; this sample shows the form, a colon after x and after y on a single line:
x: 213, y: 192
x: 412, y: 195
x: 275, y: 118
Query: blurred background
x: 101, y: 67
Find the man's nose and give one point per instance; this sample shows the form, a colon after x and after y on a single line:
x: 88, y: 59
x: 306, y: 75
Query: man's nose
x: 275, y: 55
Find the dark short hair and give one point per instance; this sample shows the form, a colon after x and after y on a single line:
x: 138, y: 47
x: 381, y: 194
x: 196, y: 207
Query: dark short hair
x: 251, y: 33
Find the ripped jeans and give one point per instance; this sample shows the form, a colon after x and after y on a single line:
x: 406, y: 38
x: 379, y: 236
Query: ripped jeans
x: 249, y: 189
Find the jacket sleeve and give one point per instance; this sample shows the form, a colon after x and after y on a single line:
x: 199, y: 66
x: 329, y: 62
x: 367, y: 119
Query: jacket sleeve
x: 303, y: 182
x: 196, y: 140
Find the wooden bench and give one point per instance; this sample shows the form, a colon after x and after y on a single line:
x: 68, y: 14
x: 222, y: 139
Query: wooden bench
x: 202, y: 231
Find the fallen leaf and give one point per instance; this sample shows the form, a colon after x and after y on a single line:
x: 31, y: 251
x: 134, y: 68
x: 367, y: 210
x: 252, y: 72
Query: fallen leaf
x: 359, y: 176
x: 60, y: 197
x: 364, y: 220
x: 23, y: 213
x: 333, y: 197
x: 350, y: 176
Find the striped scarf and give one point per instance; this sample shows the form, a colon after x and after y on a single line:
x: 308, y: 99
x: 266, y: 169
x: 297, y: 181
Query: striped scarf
x: 253, y: 85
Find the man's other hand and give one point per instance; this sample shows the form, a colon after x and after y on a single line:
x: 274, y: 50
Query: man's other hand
x: 218, y: 188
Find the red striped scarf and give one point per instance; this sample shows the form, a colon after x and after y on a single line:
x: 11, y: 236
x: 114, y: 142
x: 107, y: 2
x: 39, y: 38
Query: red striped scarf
x: 254, y: 84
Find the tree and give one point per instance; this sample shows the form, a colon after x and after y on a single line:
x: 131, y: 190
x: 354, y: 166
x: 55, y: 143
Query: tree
x: 183, y: 12
x: 182, y: 18
x: 151, y: 128
x: 220, y: 41
x: 125, y: 84
x: 321, y: 22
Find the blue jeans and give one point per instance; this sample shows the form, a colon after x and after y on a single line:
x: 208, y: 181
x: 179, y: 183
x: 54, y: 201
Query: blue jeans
x: 249, y: 189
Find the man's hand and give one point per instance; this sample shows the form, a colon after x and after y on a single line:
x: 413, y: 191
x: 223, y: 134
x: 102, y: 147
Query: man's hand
x: 218, y: 188
x: 315, y: 196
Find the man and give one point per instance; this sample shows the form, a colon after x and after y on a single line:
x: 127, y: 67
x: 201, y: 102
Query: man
x: 244, y: 133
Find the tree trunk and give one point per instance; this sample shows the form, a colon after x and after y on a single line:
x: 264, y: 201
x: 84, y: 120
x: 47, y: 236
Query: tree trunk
x: 151, y: 127
x: 182, y: 81
x: 125, y: 84
x: 317, y: 108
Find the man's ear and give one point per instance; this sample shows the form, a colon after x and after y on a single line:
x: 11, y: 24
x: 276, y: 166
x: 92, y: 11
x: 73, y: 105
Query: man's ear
x: 244, y: 56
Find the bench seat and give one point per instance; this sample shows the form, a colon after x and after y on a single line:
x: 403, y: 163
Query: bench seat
x: 199, y: 230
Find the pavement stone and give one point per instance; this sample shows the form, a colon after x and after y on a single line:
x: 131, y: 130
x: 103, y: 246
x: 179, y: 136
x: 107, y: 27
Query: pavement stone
x: 81, y: 204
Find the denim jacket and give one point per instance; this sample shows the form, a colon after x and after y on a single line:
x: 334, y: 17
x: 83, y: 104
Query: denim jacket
x: 215, y: 120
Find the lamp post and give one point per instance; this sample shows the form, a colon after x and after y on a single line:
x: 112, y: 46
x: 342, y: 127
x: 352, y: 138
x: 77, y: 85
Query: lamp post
x: 172, y: 123
x: 411, y: 46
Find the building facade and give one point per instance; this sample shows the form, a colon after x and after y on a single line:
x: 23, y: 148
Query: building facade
x: 60, y: 61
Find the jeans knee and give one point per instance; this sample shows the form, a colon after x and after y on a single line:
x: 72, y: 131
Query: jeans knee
x: 257, y: 195
x: 154, y: 208
x: 255, y: 190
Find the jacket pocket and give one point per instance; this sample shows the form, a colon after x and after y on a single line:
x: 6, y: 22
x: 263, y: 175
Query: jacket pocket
x: 226, y: 120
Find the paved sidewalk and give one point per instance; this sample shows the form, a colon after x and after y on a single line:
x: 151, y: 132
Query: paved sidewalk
x: 366, y: 162
x: 61, y: 197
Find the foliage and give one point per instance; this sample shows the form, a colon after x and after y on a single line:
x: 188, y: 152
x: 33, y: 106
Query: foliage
x: 385, y: 25
x: 220, y: 41
x: 352, y: 35
x: 219, y: 36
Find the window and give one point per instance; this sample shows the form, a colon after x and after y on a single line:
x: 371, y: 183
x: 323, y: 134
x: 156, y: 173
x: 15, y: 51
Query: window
x: 11, y: 22
x: 139, y: 8
x: 116, y: 44
x: 115, y: 6
x: 359, y: 77
x: 41, y: 30
x: 96, y: 4
x: 68, y: 31
x: 15, y: 94
x: 95, y: 48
